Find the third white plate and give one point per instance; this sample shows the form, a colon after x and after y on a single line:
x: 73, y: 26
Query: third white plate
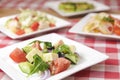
x: 77, y: 28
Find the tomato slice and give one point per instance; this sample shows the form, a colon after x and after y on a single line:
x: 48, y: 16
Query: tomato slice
x: 18, y: 55
x: 16, y: 18
x: 59, y: 65
x: 20, y: 32
x: 117, y: 27
x: 52, y: 25
x: 117, y: 30
x: 34, y: 26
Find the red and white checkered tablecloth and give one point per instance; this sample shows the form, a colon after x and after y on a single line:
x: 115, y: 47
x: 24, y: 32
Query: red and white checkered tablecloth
x: 107, y: 70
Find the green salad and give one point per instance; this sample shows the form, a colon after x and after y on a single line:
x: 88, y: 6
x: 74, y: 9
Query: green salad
x: 75, y: 6
x: 29, y: 21
x: 40, y: 56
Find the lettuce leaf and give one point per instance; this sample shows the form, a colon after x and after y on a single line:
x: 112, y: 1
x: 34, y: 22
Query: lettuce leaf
x: 39, y: 65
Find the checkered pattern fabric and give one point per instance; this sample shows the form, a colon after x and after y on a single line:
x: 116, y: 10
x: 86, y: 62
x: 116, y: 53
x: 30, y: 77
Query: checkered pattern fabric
x: 107, y: 70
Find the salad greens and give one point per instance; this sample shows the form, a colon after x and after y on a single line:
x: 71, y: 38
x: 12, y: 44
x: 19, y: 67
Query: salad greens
x: 29, y: 21
x: 75, y: 6
x: 63, y: 49
x: 43, y: 55
x: 109, y: 19
x: 39, y: 65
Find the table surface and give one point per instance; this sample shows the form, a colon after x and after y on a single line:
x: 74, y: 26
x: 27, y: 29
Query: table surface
x: 107, y: 70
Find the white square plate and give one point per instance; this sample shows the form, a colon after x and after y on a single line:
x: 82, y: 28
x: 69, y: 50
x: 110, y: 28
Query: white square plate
x: 98, y: 7
x: 60, y: 23
x: 77, y: 28
x: 88, y: 57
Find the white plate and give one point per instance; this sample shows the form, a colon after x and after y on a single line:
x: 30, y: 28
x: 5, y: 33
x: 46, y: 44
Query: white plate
x: 60, y: 23
x: 88, y: 57
x: 98, y: 7
x: 77, y: 28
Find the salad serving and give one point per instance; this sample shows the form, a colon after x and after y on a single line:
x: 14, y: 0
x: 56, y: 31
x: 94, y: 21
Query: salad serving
x: 70, y: 7
x: 29, y: 21
x: 39, y: 57
x: 103, y: 23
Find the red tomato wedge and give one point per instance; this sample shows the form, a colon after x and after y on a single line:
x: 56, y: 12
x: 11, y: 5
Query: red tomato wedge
x: 52, y: 25
x: 59, y: 65
x: 117, y: 27
x: 16, y: 18
x: 18, y: 55
x: 34, y: 26
x: 20, y: 32
x: 117, y: 31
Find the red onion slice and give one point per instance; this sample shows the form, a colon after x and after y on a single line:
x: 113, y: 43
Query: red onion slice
x: 43, y: 76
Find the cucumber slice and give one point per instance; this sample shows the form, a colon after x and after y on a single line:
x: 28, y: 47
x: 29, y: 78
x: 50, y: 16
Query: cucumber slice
x: 25, y: 67
x: 72, y: 57
x: 27, y: 49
